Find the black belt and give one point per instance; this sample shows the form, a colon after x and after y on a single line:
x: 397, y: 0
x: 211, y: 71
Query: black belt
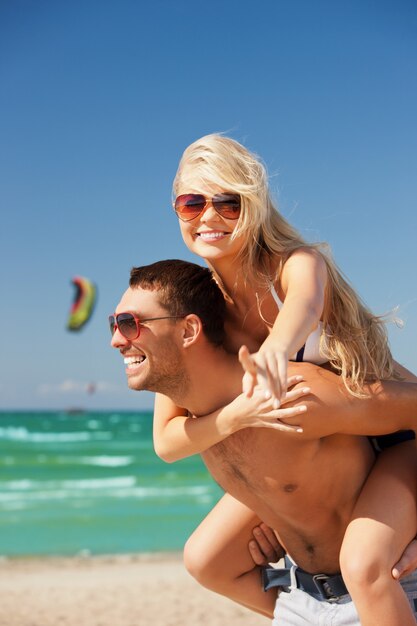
x: 320, y: 586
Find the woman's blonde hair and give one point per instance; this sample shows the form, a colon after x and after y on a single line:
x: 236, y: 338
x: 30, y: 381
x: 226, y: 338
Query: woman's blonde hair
x: 354, y: 340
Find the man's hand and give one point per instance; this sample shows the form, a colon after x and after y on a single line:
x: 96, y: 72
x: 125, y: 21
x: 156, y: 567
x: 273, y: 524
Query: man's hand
x: 407, y: 563
x: 265, y: 547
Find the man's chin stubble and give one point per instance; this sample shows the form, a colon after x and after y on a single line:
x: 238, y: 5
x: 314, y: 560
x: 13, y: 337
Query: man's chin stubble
x: 173, y: 385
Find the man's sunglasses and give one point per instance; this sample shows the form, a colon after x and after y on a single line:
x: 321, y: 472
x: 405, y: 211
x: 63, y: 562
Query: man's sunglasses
x: 190, y: 205
x: 128, y: 324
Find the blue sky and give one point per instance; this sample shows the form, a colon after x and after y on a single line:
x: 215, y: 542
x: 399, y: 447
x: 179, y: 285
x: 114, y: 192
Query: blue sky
x: 98, y: 100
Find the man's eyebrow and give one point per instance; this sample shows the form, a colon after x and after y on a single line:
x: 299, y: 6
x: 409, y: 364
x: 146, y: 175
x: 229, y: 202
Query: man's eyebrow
x: 143, y: 315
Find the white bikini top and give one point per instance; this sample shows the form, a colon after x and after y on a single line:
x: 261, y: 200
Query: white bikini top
x: 311, y: 349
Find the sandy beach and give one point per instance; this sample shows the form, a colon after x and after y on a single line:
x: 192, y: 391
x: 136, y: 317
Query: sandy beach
x: 126, y: 590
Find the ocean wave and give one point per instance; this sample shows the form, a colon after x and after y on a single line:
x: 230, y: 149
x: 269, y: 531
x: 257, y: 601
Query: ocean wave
x: 82, y: 483
x: 68, y: 492
x: 101, y: 461
x: 23, y: 434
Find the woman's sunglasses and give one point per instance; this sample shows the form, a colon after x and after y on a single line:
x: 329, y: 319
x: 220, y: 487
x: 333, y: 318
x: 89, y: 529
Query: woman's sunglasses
x: 190, y: 205
x: 128, y: 324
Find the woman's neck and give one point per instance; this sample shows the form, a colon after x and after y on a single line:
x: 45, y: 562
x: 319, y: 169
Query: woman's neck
x: 236, y: 284
x: 232, y: 282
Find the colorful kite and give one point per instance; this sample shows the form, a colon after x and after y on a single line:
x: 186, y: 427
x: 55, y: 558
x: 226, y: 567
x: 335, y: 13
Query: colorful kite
x: 83, y: 304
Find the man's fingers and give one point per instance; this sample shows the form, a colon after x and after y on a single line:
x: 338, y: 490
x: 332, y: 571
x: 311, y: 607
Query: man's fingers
x: 267, y: 542
x: 257, y: 556
x: 408, y: 561
x: 271, y: 537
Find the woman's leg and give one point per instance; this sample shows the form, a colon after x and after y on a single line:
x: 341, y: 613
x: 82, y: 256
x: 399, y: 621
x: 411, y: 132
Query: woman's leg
x: 217, y: 556
x: 383, y: 523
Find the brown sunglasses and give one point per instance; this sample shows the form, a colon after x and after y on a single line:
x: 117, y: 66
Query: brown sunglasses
x: 189, y: 205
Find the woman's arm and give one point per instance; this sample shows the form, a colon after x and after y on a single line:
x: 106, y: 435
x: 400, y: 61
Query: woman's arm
x: 303, y: 281
x: 178, y: 435
x: 390, y: 406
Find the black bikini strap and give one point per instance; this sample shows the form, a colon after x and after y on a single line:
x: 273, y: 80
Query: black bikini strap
x: 300, y: 354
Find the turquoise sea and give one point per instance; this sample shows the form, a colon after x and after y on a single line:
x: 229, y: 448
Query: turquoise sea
x: 91, y: 482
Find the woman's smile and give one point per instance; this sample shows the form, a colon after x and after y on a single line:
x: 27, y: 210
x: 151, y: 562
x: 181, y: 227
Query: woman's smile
x: 211, y: 235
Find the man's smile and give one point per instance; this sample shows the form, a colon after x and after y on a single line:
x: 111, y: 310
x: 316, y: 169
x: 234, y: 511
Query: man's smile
x: 133, y: 362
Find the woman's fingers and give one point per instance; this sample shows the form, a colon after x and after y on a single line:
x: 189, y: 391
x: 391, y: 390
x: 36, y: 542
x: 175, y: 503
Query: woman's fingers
x: 275, y: 419
x: 268, y: 371
x: 269, y: 364
x: 251, y: 371
x: 293, y: 380
x: 248, y: 384
x: 282, y: 369
x: 266, y: 416
x: 296, y: 393
x: 246, y: 361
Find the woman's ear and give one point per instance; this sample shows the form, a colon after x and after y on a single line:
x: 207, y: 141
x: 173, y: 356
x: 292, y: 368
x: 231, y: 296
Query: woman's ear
x: 192, y: 329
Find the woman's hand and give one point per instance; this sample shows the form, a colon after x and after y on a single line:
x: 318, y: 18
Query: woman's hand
x: 259, y: 411
x: 266, y: 369
x: 265, y: 548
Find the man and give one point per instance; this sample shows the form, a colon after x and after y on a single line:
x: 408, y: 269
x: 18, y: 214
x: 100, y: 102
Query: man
x: 168, y: 327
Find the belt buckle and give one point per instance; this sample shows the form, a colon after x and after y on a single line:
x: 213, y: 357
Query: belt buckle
x: 324, y: 588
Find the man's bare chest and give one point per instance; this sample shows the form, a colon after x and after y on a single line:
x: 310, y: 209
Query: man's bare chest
x: 260, y: 462
x: 266, y: 469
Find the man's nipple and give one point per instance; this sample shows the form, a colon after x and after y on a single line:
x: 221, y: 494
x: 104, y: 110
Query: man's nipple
x: 290, y: 487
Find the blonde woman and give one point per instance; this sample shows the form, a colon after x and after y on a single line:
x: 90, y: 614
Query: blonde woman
x: 286, y: 300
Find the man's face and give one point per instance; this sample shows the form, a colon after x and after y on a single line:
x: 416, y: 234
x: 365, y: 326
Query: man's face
x: 154, y: 359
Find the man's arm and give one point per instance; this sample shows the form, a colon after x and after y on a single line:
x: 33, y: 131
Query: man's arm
x: 331, y: 409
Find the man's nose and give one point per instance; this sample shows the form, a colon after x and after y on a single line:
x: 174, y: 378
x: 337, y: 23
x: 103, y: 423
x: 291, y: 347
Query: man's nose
x: 117, y: 340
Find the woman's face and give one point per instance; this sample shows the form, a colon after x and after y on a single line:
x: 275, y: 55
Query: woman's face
x: 209, y: 234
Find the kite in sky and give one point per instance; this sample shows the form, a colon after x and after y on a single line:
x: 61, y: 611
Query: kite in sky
x: 83, y: 303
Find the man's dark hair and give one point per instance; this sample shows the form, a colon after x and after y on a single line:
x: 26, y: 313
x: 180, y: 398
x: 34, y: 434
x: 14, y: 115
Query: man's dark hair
x: 185, y: 288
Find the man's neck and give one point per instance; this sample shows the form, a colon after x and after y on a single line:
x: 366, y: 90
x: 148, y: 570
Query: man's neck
x: 214, y: 380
